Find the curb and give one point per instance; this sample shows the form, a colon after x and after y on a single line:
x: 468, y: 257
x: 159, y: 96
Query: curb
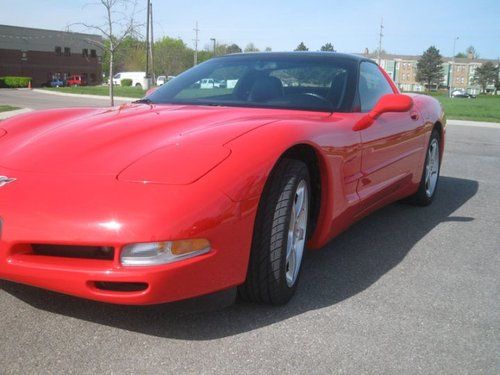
x: 479, y: 124
x: 88, y: 96
x: 8, y: 114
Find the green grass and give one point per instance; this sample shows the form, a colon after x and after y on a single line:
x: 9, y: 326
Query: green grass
x: 129, y: 92
x: 483, y: 108
x: 5, y: 108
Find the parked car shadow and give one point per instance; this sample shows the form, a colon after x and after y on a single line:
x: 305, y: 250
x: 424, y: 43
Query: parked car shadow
x: 346, y: 266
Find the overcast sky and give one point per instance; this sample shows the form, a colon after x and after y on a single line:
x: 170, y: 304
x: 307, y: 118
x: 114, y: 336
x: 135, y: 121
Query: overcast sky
x: 409, y: 26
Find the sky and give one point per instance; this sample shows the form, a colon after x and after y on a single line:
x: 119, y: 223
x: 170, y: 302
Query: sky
x: 410, y: 27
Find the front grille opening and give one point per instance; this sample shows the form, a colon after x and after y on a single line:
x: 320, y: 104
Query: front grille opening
x: 68, y: 251
x: 120, y: 286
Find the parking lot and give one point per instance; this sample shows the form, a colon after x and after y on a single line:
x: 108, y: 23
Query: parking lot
x: 406, y: 290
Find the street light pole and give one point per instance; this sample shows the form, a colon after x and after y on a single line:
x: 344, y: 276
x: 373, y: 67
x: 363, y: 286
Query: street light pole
x: 213, y: 40
x: 452, y: 65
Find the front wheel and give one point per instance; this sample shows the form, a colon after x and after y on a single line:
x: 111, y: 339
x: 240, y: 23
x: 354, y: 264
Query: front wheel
x: 430, y: 177
x: 280, y: 235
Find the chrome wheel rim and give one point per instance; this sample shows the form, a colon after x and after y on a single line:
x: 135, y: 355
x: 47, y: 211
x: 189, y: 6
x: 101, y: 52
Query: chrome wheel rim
x: 297, y: 233
x: 432, y: 168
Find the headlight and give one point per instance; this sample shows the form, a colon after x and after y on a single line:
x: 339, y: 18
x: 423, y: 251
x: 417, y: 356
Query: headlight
x: 156, y: 253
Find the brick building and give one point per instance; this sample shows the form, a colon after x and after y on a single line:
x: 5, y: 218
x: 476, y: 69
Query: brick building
x: 403, y: 70
x: 46, y: 54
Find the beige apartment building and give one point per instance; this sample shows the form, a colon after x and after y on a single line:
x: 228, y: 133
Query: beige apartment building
x: 403, y: 70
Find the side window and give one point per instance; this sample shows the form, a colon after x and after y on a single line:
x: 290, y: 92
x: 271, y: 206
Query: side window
x: 372, y: 86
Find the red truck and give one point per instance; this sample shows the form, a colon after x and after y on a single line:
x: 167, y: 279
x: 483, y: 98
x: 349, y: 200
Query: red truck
x: 75, y: 81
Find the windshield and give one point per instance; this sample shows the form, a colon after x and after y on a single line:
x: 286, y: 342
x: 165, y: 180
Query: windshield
x: 291, y: 82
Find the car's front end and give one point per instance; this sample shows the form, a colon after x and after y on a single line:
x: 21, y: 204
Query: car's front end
x: 121, y: 242
x: 119, y: 205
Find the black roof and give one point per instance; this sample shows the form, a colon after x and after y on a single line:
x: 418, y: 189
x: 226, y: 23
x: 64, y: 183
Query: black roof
x: 325, y: 55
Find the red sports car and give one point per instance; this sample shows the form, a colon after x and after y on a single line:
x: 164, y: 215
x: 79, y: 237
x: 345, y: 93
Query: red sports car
x: 197, y: 189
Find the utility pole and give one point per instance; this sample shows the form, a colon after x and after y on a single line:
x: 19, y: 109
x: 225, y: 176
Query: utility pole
x: 380, y: 35
x: 151, y: 45
x: 196, y: 40
x: 213, y: 40
x: 148, y: 8
x: 452, y: 66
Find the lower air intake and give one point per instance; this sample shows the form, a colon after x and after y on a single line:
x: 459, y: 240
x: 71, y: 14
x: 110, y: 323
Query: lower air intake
x: 67, y: 251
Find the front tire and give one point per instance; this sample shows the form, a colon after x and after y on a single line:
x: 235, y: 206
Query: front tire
x: 430, y: 176
x: 280, y: 235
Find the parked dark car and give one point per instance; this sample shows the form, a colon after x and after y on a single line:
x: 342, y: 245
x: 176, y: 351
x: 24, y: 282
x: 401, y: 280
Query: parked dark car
x: 462, y: 94
x: 54, y: 82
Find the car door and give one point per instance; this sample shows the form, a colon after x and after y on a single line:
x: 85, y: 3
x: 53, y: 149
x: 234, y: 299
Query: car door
x: 391, y: 146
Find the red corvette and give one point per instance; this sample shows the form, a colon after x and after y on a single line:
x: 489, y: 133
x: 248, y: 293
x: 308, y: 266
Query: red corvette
x: 197, y: 189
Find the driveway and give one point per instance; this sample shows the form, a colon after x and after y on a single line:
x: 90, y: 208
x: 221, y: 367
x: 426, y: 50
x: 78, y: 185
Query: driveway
x: 407, y: 290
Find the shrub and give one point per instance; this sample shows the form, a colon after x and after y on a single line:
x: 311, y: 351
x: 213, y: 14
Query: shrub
x: 126, y: 82
x: 14, y: 82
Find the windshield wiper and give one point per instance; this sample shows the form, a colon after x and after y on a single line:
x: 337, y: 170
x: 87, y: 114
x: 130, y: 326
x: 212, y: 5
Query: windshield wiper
x: 143, y: 101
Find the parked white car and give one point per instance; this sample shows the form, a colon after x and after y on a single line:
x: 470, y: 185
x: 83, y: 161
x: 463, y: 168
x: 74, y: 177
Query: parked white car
x: 210, y: 83
x: 138, y: 78
x: 207, y: 83
x: 161, y: 80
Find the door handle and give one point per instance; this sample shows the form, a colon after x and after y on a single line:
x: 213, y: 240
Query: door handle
x: 414, y: 115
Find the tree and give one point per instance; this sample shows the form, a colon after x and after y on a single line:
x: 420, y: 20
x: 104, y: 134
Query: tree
x: 430, y: 67
x: 471, y: 51
x: 251, y: 48
x: 233, y: 48
x: 173, y: 56
x: 462, y: 55
x: 301, y: 47
x: 220, y: 49
x: 268, y: 49
x: 328, y: 47
x: 130, y: 56
x: 119, y: 15
x: 486, y: 74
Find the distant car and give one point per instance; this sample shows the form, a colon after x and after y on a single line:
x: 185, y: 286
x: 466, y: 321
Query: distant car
x: 462, y: 94
x: 54, y: 82
x: 161, y: 80
x: 210, y: 83
x: 138, y: 78
x: 220, y: 83
x: 207, y: 83
x: 75, y: 81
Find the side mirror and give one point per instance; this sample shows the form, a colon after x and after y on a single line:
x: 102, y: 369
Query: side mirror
x: 387, y: 103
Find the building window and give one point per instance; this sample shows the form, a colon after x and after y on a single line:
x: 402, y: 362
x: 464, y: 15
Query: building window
x: 93, y: 53
x: 58, y: 51
x: 67, y: 51
x: 85, y: 52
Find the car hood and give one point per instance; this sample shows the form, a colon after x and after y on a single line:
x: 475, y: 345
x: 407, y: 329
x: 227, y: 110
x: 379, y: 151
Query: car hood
x: 187, y: 140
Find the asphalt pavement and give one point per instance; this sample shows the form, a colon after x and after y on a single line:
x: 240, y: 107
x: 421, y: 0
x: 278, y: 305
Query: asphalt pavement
x: 406, y: 291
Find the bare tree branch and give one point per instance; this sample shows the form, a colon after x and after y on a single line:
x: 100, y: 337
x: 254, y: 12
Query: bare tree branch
x: 117, y: 17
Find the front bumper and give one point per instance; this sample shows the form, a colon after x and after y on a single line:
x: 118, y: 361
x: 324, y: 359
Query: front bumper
x: 105, y: 212
x: 84, y: 277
